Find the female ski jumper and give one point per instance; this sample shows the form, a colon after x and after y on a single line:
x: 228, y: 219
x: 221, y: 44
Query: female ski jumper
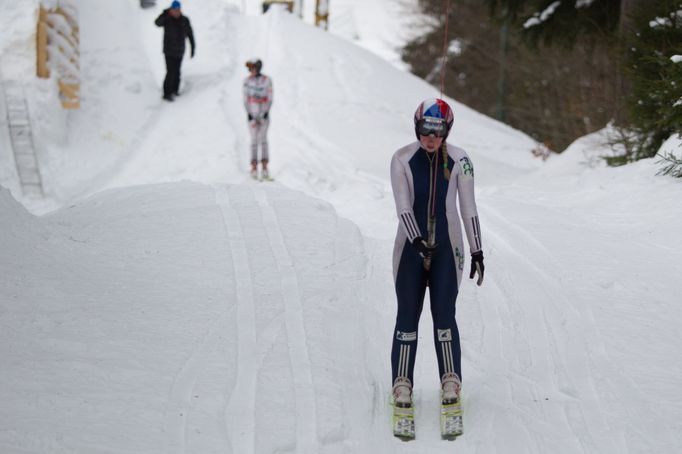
x: 420, y: 189
x: 257, y: 91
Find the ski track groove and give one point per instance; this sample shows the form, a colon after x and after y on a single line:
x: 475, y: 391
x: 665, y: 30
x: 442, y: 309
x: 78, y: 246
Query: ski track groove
x: 545, y: 348
x: 308, y: 144
x: 240, y: 412
x: 304, y: 391
x: 576, y: 384
x: 336, y: 62
x: 374, y: 434
x: 139, y: 139
x: 183, y: 385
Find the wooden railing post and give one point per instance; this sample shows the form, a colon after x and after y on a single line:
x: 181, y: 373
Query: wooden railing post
x: 41, y: 45
x: 322, y: 14
x: 57, y: 50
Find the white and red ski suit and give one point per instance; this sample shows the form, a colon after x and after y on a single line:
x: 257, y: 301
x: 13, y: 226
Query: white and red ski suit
x: 257, y: 102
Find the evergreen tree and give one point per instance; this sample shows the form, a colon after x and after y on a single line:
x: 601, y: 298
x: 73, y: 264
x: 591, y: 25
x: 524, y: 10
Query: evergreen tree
x: 632, y: 75
x: 655, y: 66
x: 672, y: 165
x: 555, y: 94
x: 563, y: 22
x: 647, y: 35
x: 567, y: 22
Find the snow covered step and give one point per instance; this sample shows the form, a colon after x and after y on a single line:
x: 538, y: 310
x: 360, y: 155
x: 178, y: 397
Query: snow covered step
x: 33, y: 190
x: 20, y: 133
x: 29, y: 178
x: 19, y: 119
x: 25, y: 161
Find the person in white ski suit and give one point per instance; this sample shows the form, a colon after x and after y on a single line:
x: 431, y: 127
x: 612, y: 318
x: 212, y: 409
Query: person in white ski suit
x: 257, y: 102
x: 429, y: 248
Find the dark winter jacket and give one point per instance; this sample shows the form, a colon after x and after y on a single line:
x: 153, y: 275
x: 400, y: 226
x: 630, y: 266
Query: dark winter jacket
x: 175, y: 33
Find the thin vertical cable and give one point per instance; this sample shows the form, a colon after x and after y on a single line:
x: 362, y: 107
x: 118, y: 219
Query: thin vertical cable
x: 434, y: 172
x: 445, y: 48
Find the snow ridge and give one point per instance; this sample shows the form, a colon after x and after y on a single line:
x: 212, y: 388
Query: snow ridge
x: 241, y: 411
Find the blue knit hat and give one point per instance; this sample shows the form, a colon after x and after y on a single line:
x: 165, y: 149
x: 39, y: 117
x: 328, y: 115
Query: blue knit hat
x: 175, y: 4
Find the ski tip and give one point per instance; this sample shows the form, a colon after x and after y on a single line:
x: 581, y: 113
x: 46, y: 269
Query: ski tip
x: 404, y: 438
x: 451, y: 427
x: 261, y: 179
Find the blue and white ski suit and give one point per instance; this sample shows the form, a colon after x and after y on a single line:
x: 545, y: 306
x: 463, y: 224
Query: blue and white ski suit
x: 412, y: 176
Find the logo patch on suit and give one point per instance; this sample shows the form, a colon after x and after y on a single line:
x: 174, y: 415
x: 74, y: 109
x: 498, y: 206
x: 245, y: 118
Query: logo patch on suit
x: 444, y: 335
x: 467, y: 168
x: 406, y: 337
x: 460, y: 259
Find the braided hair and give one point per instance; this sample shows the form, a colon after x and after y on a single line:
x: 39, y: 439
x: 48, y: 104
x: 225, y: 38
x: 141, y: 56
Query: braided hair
x: 444, y: 150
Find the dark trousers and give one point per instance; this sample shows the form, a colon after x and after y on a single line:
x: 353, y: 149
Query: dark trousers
x: 171, y: 84
x: 410, y: 285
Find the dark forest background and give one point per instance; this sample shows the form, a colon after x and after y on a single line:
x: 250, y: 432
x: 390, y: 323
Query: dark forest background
x: 585, y: 65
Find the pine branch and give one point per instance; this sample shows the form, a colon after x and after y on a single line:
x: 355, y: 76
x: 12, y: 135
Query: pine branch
x: 672, y: 165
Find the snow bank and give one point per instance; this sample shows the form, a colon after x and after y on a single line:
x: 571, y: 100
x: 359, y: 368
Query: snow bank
x: 110, y: 317
x: 588, y: 152
x: 373, y: 25
x: 672, y: 145
x: 17, y: 38
x: 20, y: 230
x: 584, y: 153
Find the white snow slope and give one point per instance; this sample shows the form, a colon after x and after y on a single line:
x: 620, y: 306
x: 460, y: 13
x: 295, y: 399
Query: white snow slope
x: 172, y: 305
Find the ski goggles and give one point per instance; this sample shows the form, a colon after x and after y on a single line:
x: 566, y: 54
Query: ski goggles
x: 436, y: 126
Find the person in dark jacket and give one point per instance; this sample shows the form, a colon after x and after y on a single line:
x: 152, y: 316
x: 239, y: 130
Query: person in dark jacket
x: 176, y: 29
